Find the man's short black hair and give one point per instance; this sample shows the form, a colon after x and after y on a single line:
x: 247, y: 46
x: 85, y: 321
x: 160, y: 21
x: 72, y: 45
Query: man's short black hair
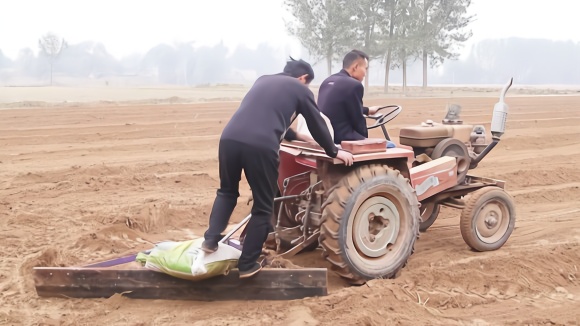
x: 353, y: 56
x: 297, y: 68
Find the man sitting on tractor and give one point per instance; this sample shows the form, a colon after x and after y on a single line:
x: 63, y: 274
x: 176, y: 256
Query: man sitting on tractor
x: 251, y: 141
x: 340, y: 99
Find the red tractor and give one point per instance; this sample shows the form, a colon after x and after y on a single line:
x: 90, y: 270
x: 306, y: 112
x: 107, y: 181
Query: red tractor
x: 367, y: 217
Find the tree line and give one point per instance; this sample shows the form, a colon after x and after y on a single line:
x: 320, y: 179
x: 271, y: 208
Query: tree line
x: 529, y: 61
x: 397, y: 32
x: 171, y: 64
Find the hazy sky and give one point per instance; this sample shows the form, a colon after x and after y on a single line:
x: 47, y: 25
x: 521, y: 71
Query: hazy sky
x: 128, y: 26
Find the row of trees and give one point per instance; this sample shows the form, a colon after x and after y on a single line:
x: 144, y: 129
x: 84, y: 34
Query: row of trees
x: 529, y: 61
x: 395, y: 31
x: 177, y: 64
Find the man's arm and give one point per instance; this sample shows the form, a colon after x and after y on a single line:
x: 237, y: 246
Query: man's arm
x: 316, y: 124
x: 355, y: 111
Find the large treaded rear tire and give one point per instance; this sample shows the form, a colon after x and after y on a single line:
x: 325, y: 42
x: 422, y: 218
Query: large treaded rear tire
x: 373, y: 198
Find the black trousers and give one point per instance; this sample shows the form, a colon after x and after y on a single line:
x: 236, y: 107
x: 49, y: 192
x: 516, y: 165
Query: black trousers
x: 260, y: 166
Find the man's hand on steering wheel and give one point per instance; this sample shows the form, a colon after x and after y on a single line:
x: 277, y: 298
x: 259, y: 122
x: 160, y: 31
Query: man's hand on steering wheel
x: 382, y: 117
x: 374, y: 109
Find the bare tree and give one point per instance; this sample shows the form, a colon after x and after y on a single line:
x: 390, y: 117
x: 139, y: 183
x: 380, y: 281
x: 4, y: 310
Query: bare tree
x: 443, y: 27
x: 51, y: 46
x: 322, y: 26
x: 368, y: 17
x: 405, y: 39
x: 391, y: 24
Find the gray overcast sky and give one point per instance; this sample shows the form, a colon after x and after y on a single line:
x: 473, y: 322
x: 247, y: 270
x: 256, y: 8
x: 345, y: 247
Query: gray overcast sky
x: 129, y: 26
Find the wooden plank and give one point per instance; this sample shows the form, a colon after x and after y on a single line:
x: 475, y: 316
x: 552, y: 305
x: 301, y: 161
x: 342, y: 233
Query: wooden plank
x: 310, y: 151
x: 298, y: 144
x: 387, y: 154
x: 268, y: 284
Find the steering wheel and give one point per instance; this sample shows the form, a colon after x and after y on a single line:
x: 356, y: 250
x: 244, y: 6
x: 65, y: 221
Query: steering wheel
x: 381, y: 119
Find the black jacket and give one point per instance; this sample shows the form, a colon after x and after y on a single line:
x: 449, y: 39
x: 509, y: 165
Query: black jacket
x: 340, y: 99
x: 268, y: 110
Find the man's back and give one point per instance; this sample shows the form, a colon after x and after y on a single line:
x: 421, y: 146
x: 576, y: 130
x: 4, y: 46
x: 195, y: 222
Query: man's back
x: 266, y: 111
x: 340, y: 99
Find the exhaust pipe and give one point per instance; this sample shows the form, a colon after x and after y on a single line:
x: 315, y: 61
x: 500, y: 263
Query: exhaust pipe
x: 498, y: 122
x: 500, y: 111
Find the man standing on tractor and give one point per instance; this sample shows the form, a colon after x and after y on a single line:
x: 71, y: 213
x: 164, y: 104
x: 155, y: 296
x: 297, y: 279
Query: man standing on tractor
x: 251, y: 141
x: 340, y: 99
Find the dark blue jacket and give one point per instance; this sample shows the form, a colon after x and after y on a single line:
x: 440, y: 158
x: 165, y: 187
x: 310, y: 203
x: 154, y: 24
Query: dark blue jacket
x: 340, y: 99
x: 268, y: 110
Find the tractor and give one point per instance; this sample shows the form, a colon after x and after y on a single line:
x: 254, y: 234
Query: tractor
x: 367, y: 217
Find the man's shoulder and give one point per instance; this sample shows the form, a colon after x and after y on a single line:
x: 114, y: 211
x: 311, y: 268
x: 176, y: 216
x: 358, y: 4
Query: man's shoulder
x: 335, y: 76
x: 281, y: 77
x: 277, y: 80
x: 341, y: 82
x: 282, y: 83
x: 341, y: 78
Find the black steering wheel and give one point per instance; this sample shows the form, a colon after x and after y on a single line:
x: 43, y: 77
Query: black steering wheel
x: 381, y: 119
x: 392, y: 111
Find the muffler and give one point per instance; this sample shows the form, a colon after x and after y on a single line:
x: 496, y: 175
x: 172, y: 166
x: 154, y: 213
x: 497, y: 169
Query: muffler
x: 498, y: 122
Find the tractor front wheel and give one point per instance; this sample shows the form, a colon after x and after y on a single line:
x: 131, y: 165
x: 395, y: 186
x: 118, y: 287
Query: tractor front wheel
x: 488, y: 219
x: 370, y: 224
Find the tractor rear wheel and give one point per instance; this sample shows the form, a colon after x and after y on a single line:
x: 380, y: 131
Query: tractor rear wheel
x: 488, y: 219
x: 429, y: 212
x: 370, y: 224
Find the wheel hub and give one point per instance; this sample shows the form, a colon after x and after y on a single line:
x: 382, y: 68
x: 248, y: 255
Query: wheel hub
x: 376, y: 226
x: 491, y: 222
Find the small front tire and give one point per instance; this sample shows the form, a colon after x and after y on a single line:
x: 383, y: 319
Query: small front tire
x: 488, y: 219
